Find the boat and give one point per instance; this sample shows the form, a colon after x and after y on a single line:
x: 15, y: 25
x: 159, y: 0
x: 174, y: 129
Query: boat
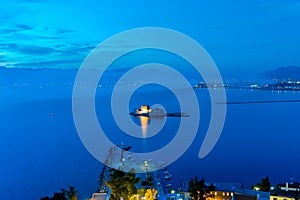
x: 168, y: 177
x: 161, y: 163
x: 164, y: 168
x: 124, y: 147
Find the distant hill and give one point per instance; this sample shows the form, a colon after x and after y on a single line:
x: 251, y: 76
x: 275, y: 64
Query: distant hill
x: 283, y: 73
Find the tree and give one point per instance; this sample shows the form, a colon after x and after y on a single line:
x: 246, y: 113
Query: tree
x: 198, y: 190
x: 59, y: 196
x: 56, y: 196
x: 148, y: 193
x: 45, y: 198
x: 70, y: 194
x: 115, y: 183
x: 122, y: 184
x: 264, y: 185
x: 151, y: 194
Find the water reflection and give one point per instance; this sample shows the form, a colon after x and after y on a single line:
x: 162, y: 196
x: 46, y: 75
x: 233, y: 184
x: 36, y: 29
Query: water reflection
x: 151, y: 125
x: 144, y: 123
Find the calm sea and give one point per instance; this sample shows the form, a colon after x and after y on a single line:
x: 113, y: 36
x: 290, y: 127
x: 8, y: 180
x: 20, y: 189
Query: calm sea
x: 40, y: 151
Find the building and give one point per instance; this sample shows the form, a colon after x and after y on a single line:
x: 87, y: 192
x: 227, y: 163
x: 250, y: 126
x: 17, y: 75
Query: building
x: 223, y: 195
x: 223, y: 191
x: 226, y: 191
x: 99, y: 196
x: 229, y: 191
x: 287, y: 191
x: 281, y: 197
x: 252, y: 194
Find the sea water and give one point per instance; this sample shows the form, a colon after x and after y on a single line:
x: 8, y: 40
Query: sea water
x: 41, y: 153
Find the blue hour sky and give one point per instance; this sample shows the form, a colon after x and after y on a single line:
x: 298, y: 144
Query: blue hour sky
x: 242, y: 36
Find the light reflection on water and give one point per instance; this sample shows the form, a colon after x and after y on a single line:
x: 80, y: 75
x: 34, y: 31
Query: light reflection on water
x: 150, y: 126
x: 144, y: 123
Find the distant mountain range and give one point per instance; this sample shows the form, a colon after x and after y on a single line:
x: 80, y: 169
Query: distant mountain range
x: 11, y: 76
x: 283, y: 73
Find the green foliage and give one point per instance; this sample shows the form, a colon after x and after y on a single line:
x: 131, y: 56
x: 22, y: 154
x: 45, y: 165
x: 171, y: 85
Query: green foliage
x: 70, y: 194
x: 198, y: 190
x: 56, y: 196
x: 122, y: 184
x: 264, y: 185
x: 45, y: 198
x: 148, y: 193
x: 151, y: 194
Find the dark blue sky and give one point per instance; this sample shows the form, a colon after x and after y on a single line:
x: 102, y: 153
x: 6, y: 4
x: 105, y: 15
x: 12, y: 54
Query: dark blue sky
x: 241, y: 36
